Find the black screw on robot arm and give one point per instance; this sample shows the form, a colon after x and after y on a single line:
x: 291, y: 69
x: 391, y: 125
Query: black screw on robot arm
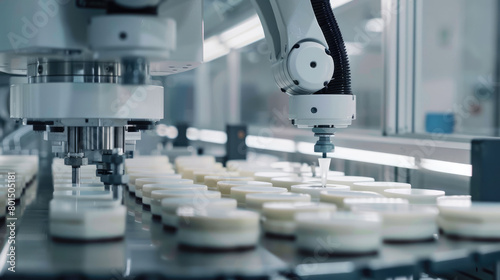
x: 341, y: 80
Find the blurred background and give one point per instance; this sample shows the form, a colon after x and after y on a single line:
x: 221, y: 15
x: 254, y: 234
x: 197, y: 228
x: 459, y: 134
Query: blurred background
x: 425, y: 77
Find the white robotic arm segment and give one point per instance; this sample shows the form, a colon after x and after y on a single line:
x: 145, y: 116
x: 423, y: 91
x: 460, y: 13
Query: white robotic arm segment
x: 299, y: 55
x: 302, y: 65
x: 286, y: 23
x: 113, y: 37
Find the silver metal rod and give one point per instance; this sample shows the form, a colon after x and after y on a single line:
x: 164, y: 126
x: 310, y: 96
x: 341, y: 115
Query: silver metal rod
x: 107, y: 138
x: 73, y: 139
x: 135, y: 71
x: 75, y: 175
x: 119, y: 138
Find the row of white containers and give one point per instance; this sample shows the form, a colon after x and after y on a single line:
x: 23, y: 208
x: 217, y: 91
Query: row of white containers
x: 352, y: 214
x: 17, y: 172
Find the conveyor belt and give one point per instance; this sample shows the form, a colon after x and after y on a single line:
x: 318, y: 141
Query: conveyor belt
x: 148, y: 250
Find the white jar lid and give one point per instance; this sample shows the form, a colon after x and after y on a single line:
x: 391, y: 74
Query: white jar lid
x: 73, y: 221
x: 86, y: 181
x: 170, y: 205
x: 398, y: 213
x: 157, y: 170
x: 239, y: 193
x: 287, y: 210
x: 139, y: 182
x: 161, y: 194
x: 199, y: 176
x: 349, y: 203
x: 289, y: 181
x: 255, y: 201
x: 190, y: 169
x: 254, y: 169
x: 217, y: 219
x: 84, y: 195
x: 348, y: 180
x: 446, y: 198
x: 404, y: 222
x: 225, y: 186
x: 135, y: 176
x: 314, y: 190
x: 77, y: 204
x: 253, y: 160
x: 79, y: 187
x: 60, y: 166
x: 148, y: 166
x: 318, y: 174
x: 148, y: 158
x: 144, y: 162
x: 211, y: 181
x: 91, y: 174
x: 197, y: 165
x: 467, y: 211
x: 339, y: 222
x: 83, y: 175
x: 188, y: 173
x: 250, y: 166
x: 65, y: 169
x: 268, y: 176
x: 378, y: 186
x: 206, y: 160
x: 62, y: 179
x: 415, y: 196
x: 337, y: 197
x: 147, y: 189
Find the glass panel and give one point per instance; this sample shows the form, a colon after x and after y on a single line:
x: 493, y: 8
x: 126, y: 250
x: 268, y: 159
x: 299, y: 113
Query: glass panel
x: 456, y: 60
x: 361, y: 25
x: 261, y: 101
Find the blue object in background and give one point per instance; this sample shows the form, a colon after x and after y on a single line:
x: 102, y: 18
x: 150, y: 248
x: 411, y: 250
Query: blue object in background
x: 439, y: 122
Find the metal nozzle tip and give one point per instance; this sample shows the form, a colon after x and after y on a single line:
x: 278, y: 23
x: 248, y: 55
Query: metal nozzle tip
x: 324, y: 155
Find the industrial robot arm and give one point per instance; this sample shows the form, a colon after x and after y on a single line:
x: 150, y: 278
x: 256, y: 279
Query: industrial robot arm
x: 88, y: 65
x: 310, y: 64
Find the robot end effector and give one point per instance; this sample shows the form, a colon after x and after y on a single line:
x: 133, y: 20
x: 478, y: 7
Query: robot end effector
x: 311, y: 66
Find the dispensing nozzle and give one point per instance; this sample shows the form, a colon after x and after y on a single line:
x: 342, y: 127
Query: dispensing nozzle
x: 324, y: 144
x: 324, y: 167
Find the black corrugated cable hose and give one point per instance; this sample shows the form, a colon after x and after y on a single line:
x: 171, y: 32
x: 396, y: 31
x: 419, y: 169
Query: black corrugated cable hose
x: 341, y: 80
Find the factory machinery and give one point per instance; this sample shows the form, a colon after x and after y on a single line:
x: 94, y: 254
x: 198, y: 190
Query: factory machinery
x: 82, y: 75
x: 89, y: 66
